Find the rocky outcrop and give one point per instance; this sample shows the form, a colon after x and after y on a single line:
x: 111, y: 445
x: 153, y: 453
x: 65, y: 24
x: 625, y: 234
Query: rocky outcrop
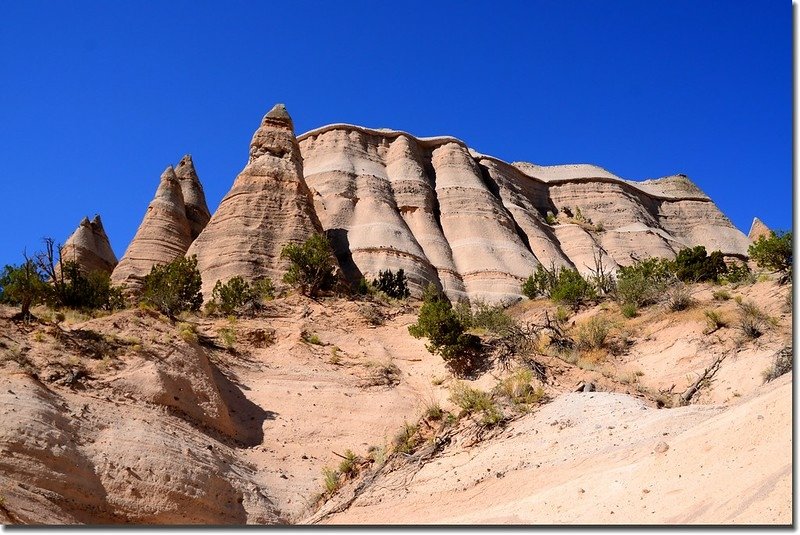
x: 476, y: 226
x: 164, y: 234
x: 758, y: 229
x: 268, y: 206
x: 89, y: 247
x: 194, y: 198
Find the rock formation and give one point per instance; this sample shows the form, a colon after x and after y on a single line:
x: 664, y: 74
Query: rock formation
x: 268, y: 206
x: 758, y: 229
x: 89, y: 247
x: 193, y: 197
x: 477, y: 226
x: 164, y: 234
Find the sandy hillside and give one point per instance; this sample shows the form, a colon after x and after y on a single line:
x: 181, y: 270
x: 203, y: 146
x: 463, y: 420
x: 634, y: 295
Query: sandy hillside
x: 132, y: 418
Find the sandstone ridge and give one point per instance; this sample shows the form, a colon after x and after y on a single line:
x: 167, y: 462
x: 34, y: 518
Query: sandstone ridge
x: 476, y: 226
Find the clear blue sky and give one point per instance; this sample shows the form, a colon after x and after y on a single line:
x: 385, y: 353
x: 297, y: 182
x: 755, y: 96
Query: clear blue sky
x: 97, y: 98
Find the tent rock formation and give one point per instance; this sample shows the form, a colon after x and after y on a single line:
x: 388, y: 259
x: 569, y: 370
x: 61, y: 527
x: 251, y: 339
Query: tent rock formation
x: 89, y: 247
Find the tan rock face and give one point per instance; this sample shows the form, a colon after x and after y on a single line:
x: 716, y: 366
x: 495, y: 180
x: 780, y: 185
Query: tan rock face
x: 89, y: 247
x: 758, y: 229
x: 164, y: 234
x: 268, y: 206
x: 477, y: 226
x: 193, y: 196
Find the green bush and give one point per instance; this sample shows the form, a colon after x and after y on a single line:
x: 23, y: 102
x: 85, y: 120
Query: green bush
x: 774, y: 253
x: 490, y: 318
x: 22, y: 286
x: 644, y: 282
x: 91, y: 291
x: 572, y: 289
x: 237, y: 295
x: 474, y: 401
x: 738, y: 273
x: 629, y: 310
x: 446, y: 335
x: 541, y: 282
x: 695, y: 265
x: 173, y: 288
x: 392, y: 284
x: 312, y: 265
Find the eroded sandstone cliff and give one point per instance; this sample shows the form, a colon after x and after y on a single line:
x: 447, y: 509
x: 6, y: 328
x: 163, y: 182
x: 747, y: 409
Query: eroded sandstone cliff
x: 477, y: 226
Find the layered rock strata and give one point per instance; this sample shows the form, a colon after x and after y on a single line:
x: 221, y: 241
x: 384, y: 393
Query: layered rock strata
x: 164, y: 234
x: 89, y: 247
x: 268, y: 207
x: 476, y: 226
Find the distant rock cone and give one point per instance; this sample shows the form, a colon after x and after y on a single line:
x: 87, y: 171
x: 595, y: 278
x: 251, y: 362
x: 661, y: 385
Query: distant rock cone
x: 193, y: 196
x: 758, y: 229
x: 268, y: 207
x: 89, y: 247
x: 164, y: 234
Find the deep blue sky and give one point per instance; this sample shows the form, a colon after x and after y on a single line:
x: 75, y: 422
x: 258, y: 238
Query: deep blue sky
x: 97, y: 98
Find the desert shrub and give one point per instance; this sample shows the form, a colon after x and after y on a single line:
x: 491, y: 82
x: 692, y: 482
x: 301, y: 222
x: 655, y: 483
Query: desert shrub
x: 311, y: 338
x: 263, y: 289
x: 541, y: 282
x: 752, y: 321
x: 407, y: 439
x: 446, y: 334
x: 187, y: 331
x: 22, y: 286
x: 363, y: 287
x: 629, y: 310
x: 331, y: 478
x: 392, y: 284
x: 349, y: 465
x: 592, y: 334
x: 774, y: 253
x: 234, y: 296
x: 474, y: 401
x: 85, y: 291
x: 678, y: 297
x: 694, y: 264
x: 572, y: 289
x: 721, y: 295
x: 312, y: 265
x: 551, y: 218
x: 643, y: 283
x: 781, y: 364
x: 228, y: 336
x: 173, y: 288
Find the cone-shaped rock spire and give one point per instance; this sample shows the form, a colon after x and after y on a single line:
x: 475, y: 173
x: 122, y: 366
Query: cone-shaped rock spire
x: 164, y: 234
x: 758, y: 229
x: 193, y: 196
x: 89, y: 247
x: 268, y: 206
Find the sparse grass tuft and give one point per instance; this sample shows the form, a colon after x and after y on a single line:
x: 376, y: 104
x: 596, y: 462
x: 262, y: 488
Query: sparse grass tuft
x: 715, y: 320
x: 433, y: 411
x: 473, y: 401
x: 332, y: 481
x: 187, y: 331
x: 752, y: 320
x: 678, y: 297
x: 518, y: 389
x: 407, y: 439
x: 721, y: 295
x: 349, y: 465
x: 228, y: 336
